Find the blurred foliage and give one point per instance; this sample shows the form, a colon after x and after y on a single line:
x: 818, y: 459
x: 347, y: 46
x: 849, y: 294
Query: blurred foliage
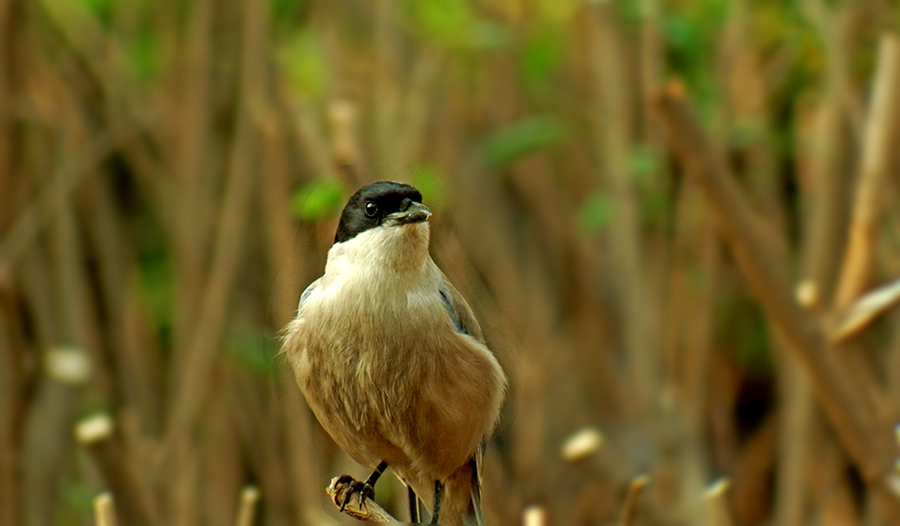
x: 305, y: 64
x: 596, y: 212
x: 453, y: 23
x: 493, y: 105
x: 432, y: 186
x: 527, y: 135
x: 317, y: 200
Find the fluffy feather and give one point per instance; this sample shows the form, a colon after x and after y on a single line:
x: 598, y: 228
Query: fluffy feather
x: 392, y: 362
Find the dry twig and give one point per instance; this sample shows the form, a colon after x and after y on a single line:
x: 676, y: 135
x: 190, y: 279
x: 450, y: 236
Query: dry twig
x: 866, y: 309
x: 247, y: 510
x: 104, y: 512
x: 850, y: 413
x: 95, y: 434
x: 877, y: 149
x: 629, y: 509
x: 716, y: 498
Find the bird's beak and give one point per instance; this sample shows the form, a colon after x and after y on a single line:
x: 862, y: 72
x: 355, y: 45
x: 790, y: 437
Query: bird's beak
x: 415, y: 213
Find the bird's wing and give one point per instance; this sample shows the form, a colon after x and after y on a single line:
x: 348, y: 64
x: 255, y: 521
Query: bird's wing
x: 459, y: 311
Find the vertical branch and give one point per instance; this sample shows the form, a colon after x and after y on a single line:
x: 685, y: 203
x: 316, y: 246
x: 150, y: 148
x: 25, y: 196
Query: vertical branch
x: 850, y: 414
x: 878, y: 142
x: 12, y: 23
x: 104, y: 512
x: 288, y: 269
x: 821, y: 183
x: 629, y: 508
x: 716, y: 498
x: 191, y: 232
x: 411, y: 136
x: 221, y: 466
x: 386, y: 96
x: 247, y: 510
x: 136, y: 364
x: 206, y: 337
x: 95, y: 435
x: 614, y: 129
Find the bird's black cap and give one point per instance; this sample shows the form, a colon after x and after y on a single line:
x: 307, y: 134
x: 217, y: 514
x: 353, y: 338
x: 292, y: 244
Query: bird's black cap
x: 371, y: 204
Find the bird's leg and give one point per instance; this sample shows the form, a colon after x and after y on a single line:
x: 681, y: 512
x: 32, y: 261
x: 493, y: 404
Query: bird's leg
x: 437, y: 501
x: 413, y: 505
x: 365, y: 489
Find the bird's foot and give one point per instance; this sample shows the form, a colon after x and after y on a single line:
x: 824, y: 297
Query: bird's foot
x: 365, y: 490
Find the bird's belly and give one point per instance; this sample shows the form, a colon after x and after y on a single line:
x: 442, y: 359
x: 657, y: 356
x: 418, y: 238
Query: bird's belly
x: 417, y: 395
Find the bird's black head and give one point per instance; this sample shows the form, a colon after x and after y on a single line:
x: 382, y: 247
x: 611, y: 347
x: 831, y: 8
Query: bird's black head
x: 377, y: 204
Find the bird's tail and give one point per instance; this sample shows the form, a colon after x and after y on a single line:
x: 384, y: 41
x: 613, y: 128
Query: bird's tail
x: 476, y: 465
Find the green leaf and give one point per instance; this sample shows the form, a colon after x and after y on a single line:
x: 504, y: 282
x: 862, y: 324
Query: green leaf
x: 530, y: 134
x: 317, y: 200
x: 156, y: 279
x: 143, y: 54
x: 253, y: 351
x: 541, y: 56
x: 305, y: 63
x: 453, y: 23
x: 596, y: 212
x: 644, y: 162
x: 283, y: 9
x: 427, y: 181
x: 102, y: 9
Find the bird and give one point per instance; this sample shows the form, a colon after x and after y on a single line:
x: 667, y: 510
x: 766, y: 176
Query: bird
x: 392, y: 360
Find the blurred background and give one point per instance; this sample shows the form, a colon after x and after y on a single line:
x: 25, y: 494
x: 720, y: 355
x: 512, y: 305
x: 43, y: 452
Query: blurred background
x: 668, y: 271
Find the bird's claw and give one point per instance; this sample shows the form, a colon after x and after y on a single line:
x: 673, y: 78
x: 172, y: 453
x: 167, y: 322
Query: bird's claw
x: 365, y: 490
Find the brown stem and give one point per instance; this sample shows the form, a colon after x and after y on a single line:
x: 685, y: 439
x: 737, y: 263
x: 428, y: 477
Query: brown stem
x: 846, y: 409
x: 95, y: 434
x: 877, y: 147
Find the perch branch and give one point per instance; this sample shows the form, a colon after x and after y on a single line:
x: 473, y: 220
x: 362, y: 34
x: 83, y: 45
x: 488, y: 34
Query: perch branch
x: 369, y: 511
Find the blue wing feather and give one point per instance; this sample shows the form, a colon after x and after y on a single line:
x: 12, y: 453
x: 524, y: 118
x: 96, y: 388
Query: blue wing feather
x: 451, y: 310
x: 307, y: 293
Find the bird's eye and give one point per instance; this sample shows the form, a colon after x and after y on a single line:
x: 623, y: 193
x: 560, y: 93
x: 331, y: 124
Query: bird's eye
x: 371, y: 209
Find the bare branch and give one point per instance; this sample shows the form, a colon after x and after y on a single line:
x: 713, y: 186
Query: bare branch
x: 247, y: 510
x: 716, y: 498
x: 104, y: 513
x: 849, y: 412
x: 866, y: 309
x: 877, y: 147
x: 629, y: 509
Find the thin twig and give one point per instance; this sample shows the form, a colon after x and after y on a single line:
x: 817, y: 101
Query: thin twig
x: 629, y: 509
x: 850, y: 413
x: 40, y: 212
x: 861, y: 313
x: 247, y: 509
x: 95, y: 434
x: 613, y: 122
x: 877, y: 149
x: 716, y: 498
x: 194, y: 382
x: 534, y: 515
x: 104, y: 512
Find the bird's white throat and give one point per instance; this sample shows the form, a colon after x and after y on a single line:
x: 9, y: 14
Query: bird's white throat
x: 396, y: 251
